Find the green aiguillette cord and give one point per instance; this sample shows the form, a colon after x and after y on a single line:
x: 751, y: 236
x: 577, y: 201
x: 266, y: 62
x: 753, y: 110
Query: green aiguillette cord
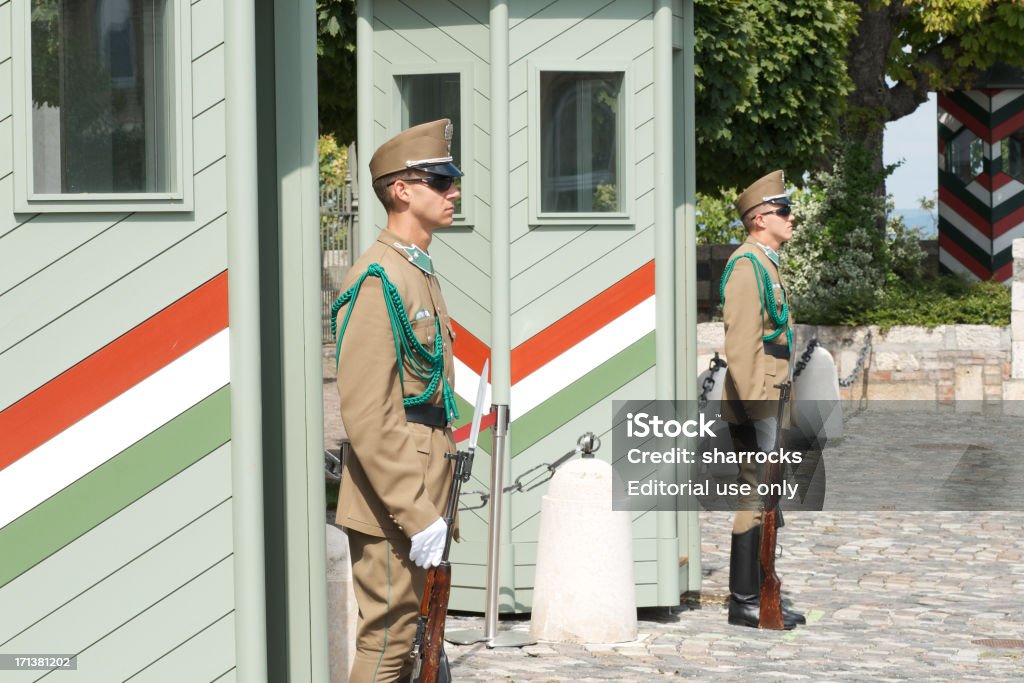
x: 427, y: 366
x: 766, y: 295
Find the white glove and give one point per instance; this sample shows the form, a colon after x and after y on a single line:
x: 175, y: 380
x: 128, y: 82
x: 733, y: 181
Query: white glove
x: 428, y: 545
x: 766, y: 429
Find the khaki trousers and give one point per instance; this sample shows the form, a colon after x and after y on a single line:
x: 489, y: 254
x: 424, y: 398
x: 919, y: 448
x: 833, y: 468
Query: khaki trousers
x: 388, y: 588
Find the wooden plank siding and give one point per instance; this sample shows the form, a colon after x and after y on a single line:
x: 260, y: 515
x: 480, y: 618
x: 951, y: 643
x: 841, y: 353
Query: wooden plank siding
x: 128, y: 563
x: 557, y: 271
x: 409, y: 35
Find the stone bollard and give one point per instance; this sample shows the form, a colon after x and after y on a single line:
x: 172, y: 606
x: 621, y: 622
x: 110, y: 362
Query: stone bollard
x: 342, y: 612
x: 583, y: 585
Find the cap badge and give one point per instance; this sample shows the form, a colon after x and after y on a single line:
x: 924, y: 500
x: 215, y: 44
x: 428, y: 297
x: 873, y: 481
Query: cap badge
x: 449, y: 133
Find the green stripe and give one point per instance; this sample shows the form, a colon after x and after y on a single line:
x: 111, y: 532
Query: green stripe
x: 595, y: 386
x: 971, y: 107
x: 959, y: 188
x: 946, y: 133
x: 983, y: 257
x: 1007, y: 206
x: 1007, y: 111
x: 114, y: 485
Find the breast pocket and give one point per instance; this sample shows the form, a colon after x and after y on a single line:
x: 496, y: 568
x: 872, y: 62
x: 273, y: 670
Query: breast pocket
x: 425, y: 329
x: 769, y: 365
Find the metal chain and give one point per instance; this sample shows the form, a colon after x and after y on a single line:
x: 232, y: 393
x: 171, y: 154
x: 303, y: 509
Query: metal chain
x: 709, y: 382
x: 859, y: 367
x: 805, y: 357
x: 587, y: 445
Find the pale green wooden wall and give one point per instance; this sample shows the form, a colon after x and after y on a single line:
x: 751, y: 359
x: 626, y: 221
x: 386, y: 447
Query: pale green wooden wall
x: 554, y: 269
x: 145, y: 584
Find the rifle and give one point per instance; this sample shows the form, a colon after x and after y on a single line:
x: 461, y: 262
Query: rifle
x: 770, y: 612
x: 430, y: 663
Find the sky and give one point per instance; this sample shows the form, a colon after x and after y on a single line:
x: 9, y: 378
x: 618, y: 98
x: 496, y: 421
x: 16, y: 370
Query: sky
x: 912, y: 139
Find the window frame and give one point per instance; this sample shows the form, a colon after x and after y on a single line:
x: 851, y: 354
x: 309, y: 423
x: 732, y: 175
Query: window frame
x: 467, y: 217
x: 28, y: 201
x: 626, y: 216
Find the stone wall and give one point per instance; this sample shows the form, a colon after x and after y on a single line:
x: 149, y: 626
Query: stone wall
x: 949, y: 364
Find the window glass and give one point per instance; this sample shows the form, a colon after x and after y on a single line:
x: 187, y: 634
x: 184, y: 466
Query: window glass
x: 1011, y: 148
x: 965, y: 156
x: 580, y: 141
x: 428, y: 97
x: 102, y: 96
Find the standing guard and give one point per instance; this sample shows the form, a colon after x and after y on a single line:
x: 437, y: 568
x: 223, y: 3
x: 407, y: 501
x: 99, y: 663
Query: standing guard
x: 395, y: 378
x: 758, y: 347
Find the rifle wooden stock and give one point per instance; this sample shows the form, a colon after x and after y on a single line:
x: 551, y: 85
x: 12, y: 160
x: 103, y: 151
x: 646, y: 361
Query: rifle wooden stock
x: 428, y: 645
x: 770, y: 611
x: 430, y: 626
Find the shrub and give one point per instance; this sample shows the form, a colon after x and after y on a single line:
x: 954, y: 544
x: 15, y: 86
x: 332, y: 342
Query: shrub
x: 839, y: 261
x: 945, y: 300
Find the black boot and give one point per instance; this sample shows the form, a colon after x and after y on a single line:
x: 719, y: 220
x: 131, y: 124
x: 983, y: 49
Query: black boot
x: 745, y: 582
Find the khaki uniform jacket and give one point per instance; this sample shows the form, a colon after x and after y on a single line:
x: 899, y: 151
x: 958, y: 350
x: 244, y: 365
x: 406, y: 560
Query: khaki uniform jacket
x: 752, y: 373
x: 397, y: 482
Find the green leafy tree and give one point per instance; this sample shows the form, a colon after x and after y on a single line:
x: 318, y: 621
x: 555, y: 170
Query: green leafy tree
x: 838, y: 263
x: 905, y: 48
x: 770, y: 83
x: 336, y: 68
x: 717, y: 220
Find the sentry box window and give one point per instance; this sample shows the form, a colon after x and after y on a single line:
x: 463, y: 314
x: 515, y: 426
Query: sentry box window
x: 580, y: 168
x: 104, y: 116
x: 438, y: 92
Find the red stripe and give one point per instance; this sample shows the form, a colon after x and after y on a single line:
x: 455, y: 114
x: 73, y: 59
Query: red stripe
x: 582, y: 322
x: 962, y: 257
x: 1009, y: 222
x: 1004, y: 273
x: 469, y: 349
x: 947, y: 197
x: 488, y: 420
x: 985, y: 180
x: 113, y: 369
x: 1008, y: 126
x: 959, y: 113
x: 1000, y: 180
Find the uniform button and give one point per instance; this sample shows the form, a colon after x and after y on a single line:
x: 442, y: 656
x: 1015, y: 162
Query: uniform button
x: 430, y: 337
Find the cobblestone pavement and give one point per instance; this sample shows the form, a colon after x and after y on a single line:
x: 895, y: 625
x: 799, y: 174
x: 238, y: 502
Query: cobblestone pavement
x: 889, y: 596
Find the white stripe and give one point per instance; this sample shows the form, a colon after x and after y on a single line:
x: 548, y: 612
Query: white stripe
x: 1007, y: 191
x: 964, y: 226
x: 1001, y: 99
x: 113, y: 427
x: 979, y: 98
x: 948, y: 260
x: 1005, y: 241
x: 580, y: 359
x: 980, y: 193
x: 467, y: 381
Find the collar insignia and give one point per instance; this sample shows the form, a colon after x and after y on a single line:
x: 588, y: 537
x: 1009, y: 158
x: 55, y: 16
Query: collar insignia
x: 417, y: 257
x: 772, y: 255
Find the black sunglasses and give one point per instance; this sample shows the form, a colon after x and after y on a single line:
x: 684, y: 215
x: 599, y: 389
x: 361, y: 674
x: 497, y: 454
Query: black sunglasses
x: 441, y: 183
x: 781, y: 212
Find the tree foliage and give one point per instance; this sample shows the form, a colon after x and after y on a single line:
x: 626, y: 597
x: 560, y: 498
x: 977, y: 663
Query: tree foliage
x: 770, y: 83
x: 336, y: 68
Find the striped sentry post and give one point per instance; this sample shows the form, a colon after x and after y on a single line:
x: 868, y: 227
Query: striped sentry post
x: 981, y: 180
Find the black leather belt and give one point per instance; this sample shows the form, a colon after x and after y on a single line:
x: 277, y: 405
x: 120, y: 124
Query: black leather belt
x: 432, y: 416
x: 777, y: 350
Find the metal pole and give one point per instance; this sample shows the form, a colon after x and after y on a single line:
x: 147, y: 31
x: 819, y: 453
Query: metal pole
x: 494, y: 522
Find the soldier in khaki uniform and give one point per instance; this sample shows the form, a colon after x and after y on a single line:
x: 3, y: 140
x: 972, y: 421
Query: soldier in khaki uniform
x: 395, y: 378
x: 758, y: 340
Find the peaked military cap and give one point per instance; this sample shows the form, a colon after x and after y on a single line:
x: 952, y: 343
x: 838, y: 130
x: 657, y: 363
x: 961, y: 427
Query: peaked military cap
x: 426, y: 147
x: 771, y: 189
